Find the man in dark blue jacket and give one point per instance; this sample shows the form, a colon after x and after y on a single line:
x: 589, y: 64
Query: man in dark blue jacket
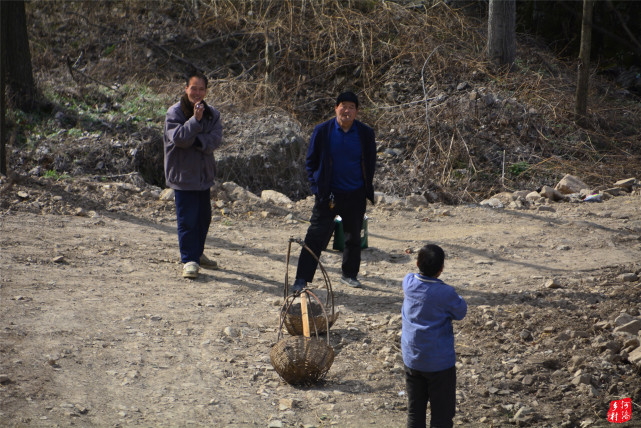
x: 340, y: 164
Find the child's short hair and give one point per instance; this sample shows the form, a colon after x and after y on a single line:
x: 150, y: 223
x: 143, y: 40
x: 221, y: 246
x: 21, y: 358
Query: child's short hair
x: 430, y: 259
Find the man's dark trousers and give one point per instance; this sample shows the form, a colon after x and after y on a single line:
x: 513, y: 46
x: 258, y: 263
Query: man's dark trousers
x: 351, y: 208
x: 193, y: 212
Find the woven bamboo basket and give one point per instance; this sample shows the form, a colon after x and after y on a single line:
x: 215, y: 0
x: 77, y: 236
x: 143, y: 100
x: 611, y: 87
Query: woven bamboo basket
x: 302, y: 359
x: 294, y: 322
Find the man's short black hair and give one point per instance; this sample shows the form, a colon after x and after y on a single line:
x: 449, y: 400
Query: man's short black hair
x: 347, y: 96
x: 430, y: 260
x: 197, y: 74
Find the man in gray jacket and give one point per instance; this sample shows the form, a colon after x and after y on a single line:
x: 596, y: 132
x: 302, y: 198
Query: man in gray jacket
x: 193, y: 131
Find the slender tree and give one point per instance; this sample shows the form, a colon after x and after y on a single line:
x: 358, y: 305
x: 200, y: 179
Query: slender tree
x: 583, y: 77
x: 501, y: 32
x: 21, y: 89
x: 3, y: 132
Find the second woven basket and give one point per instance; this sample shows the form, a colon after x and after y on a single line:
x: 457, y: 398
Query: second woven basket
x: 302, y: 359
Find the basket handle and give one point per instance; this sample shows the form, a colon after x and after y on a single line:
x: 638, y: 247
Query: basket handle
x: 328, y: 283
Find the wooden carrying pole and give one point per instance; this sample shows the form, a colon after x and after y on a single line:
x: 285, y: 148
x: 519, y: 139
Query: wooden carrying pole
x: 303, y: 310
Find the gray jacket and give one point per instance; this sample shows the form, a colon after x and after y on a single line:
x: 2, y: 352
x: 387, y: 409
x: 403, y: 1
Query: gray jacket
x: 189, y: 148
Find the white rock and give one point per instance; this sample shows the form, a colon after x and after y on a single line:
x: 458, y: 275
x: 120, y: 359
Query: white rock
x: 275, y: 197
x: 523, y: 414
x: 504, y: 197
x: 632, y: 327
x: 492, y: 203
x: 167, y: 195
x: 626, y: 184
x: 628, y: 277
x: 231, y: 332
x: 623, y: 319
x: 570, y: 184
x: 288, y: 403
x: 379, y: 197
x: 238, y: 193
x: 550, y: 193
x: 635, y: 357
x: 553, y: 283
x: 584, y: 378
x: 533, y: 196
x: 517, y: 204
x: 521, y: 194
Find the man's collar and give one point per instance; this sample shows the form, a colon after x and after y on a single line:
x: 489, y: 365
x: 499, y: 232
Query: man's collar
x: 338, y: 126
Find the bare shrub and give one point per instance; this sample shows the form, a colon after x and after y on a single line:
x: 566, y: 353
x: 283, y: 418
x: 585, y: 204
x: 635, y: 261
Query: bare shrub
x: 445, y: 118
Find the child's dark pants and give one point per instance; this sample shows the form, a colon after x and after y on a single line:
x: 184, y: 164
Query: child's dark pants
x: 439, y: 388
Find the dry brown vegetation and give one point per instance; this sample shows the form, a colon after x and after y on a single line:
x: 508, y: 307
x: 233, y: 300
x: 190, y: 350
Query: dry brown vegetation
x: 446, y: 120
x: 101, y: 329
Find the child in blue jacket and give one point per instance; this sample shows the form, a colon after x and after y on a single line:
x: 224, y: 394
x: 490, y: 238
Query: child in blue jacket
x: 427, y: 340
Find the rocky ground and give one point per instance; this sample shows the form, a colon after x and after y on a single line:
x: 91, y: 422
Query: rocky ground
x: 100, y: 329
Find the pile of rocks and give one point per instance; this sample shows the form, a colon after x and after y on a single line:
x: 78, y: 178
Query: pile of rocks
x: 568, y: 189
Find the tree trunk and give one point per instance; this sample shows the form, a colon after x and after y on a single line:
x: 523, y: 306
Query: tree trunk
x: 21, y: 89
x: 3, y: 128
x: 583, y: 77
x: 501, y: 32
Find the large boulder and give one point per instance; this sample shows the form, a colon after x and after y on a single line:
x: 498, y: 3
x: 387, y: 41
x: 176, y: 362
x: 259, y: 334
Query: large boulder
x: 263, y: 150
x: 570, y: 184
x: 234, y: 192
x: 274, y: 197
x: 550, y: 193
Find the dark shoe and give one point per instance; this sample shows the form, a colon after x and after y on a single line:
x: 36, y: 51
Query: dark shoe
x: 352, y: 282
x: 208, y: 263
x: 298, y: 286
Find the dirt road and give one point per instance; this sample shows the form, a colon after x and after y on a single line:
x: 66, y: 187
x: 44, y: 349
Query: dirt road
x: 99, y: 328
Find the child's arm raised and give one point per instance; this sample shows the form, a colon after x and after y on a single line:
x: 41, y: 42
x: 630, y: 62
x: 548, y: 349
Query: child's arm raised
x: 458, y: 306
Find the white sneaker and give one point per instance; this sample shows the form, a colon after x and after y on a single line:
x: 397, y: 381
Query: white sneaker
x: 190, y: 270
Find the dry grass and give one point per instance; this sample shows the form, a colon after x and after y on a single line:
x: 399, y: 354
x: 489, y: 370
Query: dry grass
x: 405, y: 63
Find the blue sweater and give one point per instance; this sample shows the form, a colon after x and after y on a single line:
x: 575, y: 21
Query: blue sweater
x: 429, y: 306
x: 318, y: 162
x: 345, y: 151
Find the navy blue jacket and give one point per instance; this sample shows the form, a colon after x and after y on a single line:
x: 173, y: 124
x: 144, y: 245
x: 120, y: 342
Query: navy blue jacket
x: 319, y: 161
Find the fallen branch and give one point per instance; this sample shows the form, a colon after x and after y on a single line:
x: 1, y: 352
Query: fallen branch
x: 72, y: 69
x: 169, y: 53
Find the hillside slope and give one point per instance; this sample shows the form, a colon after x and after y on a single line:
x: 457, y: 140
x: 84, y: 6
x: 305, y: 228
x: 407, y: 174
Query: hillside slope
x: 446, y: 120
